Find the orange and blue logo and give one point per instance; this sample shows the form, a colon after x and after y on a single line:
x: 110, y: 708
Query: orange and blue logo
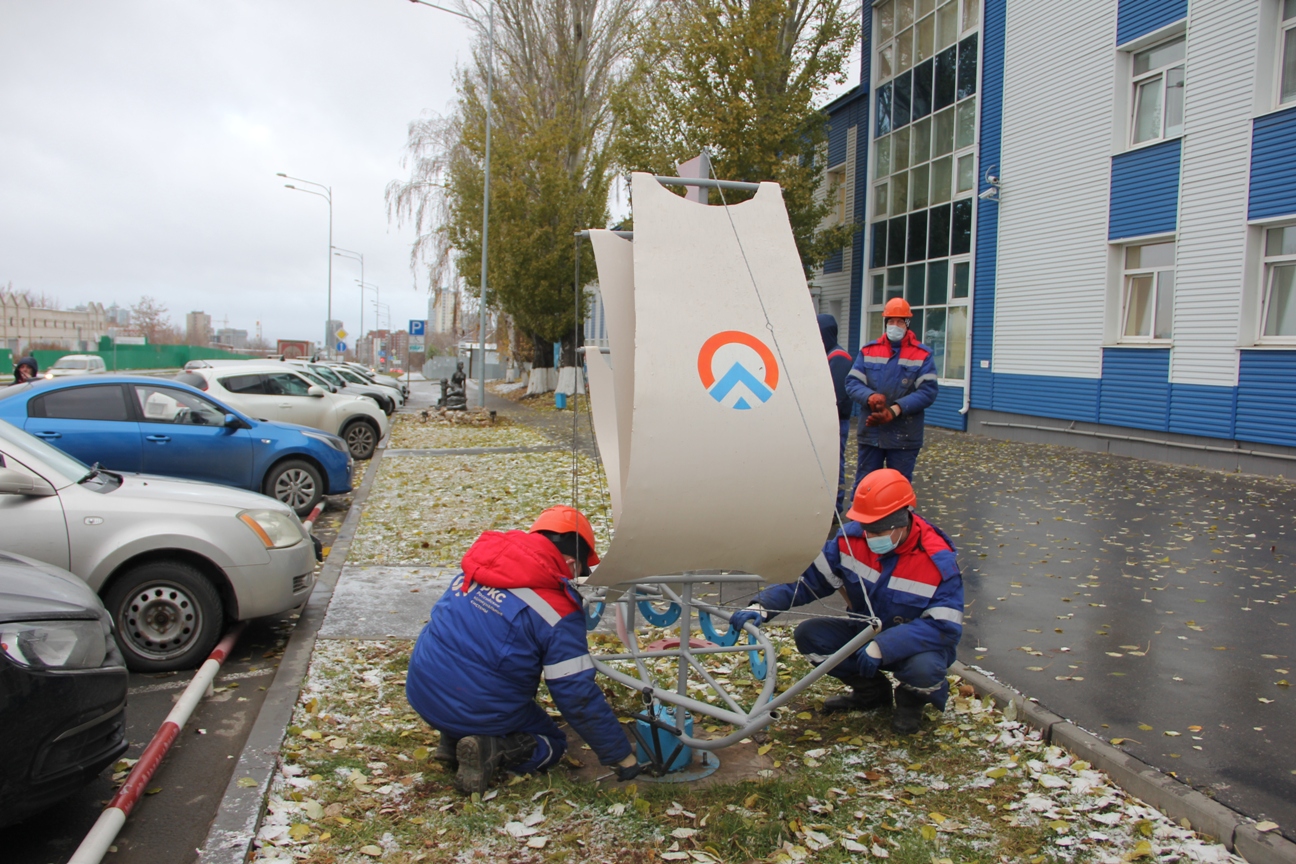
x: 738, y: 370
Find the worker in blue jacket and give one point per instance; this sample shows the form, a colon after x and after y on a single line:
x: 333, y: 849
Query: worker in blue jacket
x: 894, y: 379
x: 892, y: 563
x: 510, y: 618
x: 839, y: 365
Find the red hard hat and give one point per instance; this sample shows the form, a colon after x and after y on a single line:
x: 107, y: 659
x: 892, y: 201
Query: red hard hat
x: 897, y: 307
x: 879, y: 494
x: 562, y: 519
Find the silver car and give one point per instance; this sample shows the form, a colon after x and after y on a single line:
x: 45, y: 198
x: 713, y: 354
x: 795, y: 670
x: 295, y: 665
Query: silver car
x: 174, y: 560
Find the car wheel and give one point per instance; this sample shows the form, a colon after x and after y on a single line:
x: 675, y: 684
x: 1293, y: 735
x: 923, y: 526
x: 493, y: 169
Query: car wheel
x: 168, y: 616
x: 295, y: 483
x: 361, y: 439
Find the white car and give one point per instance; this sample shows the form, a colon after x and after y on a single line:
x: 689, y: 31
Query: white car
x: 76, y: 364
x: 173, y: 560
x: 275, y: 391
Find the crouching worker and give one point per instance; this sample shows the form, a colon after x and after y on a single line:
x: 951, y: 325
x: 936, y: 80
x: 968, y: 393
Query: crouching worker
x: 906, y: 568
x: 509, y: 618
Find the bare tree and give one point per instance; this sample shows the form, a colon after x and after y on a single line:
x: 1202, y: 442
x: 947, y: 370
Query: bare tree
x: 150, y: 318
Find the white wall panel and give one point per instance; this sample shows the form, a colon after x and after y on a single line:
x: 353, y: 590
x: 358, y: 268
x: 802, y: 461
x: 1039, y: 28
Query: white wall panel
x: 1219, y: 81
x: 1059, y: 65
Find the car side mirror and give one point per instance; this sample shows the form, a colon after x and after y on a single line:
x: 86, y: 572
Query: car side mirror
x: 232, y: 421
x: 316, y: 391
x: 17, y: 483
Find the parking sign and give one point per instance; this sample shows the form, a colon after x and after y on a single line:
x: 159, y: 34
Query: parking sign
x: 416, y: 327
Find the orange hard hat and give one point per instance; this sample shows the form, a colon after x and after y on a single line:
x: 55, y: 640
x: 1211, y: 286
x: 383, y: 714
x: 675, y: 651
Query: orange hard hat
x: 562, y: 519
x: 879, y: 494
x: 897, y: 307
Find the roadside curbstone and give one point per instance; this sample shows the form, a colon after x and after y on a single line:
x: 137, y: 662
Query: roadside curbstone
x: 1263, y: 848
x: 1178, y: 801
x: 229, y: 840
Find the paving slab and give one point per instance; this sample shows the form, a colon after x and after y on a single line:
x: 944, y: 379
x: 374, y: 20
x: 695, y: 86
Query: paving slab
x: 383, y: 601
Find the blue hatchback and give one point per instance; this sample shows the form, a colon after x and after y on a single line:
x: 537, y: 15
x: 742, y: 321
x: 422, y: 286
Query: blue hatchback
x: 154, y: 426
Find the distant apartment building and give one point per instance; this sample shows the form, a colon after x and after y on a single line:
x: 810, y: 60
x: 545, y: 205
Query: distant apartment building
x: 23, y: 326
x: 443, y: 311
x: 228, y: 337
x: 198, y: 328
x: 117, y: 316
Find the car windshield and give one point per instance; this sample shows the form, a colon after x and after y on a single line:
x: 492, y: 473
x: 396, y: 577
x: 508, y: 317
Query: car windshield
x: 317, y: 379
x: 329, y: 374
x: 350, y: 376
x: 69, y: 469
x: 70, y: 363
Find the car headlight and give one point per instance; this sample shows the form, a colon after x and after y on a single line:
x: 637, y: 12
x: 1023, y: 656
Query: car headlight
x: 331, y: 440
x: 276, y: 530
x: 55, y: 644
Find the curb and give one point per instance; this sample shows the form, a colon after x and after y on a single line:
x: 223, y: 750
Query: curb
x: 1206, y: 816
x: 229, y: 841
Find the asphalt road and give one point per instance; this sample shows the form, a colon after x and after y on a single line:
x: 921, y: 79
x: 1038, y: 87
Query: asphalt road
x: 168, y: 826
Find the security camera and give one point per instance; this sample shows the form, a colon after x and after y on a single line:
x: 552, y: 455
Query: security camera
x: 991, y: 194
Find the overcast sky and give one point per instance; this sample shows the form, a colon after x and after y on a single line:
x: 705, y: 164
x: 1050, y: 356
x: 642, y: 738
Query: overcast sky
x: 139, y: 142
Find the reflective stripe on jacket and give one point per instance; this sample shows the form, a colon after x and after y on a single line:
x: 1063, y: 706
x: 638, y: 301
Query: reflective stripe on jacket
x: 905, y: 374
x: 916, y: 590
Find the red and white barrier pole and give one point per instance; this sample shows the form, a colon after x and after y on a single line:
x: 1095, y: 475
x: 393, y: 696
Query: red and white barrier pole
x: 309, y: 521
x: 96, y: 843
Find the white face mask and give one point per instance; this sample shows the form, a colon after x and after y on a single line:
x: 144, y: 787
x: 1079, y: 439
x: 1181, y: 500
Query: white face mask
x: 895, y: 332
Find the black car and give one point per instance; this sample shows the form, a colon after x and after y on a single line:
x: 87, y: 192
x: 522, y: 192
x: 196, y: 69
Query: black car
x: 62, y: 687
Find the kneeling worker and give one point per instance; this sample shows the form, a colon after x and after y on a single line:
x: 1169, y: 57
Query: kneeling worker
x: 510, y: 617
x: 906, y: 566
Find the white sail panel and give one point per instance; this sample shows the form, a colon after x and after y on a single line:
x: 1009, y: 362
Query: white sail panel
x: 734, y: 423
x: 614, y: 257
x: 603, y: 409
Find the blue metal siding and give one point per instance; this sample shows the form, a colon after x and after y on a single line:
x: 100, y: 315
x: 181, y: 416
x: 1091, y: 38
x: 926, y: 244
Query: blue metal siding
x: 944, y: 411
x: 834, y: 262
x: 1266, y: 397
x: 1137, y: 18
x: 1145, y: 191
x: 1273, y: 165
x: 1135, y: 388
x: 987, y: 213
x: 1199, y: 409
x: 837, y: 125
x: 1047, y: 396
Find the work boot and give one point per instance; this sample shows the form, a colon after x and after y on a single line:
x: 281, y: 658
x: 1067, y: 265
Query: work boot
x: 481, y: 757
x: 867, y: 694
x: 907, y: 718
x: 445, y: 752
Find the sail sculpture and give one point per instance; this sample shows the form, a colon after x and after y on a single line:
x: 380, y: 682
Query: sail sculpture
x: 714, y: 410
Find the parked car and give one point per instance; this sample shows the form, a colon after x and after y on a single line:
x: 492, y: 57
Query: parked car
x: 64, y: 716
x: 76, y: 364
x: 386, y: 398
x: 275, y: 391
x: 380, y: 379
x: 173, y: 560
x: 154, y: 426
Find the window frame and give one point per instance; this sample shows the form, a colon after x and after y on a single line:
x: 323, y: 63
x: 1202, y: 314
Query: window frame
x: 1284, y: 26
x: 1127, y: 275
x: 1138, y: 80
x: 1269, y: 264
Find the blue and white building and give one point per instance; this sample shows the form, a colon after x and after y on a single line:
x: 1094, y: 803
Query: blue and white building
x: 1092, y: 209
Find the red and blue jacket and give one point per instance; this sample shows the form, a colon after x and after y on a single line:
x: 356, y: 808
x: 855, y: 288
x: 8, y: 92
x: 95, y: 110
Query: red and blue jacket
x: 839, y: 364
x: 507, y: 620
x: 905, y: 374
x: 916, y: 589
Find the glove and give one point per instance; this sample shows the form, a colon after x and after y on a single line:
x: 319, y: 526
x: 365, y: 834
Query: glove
x: 880, y: 418
x: 753, y: 613
x: 629, y: 771
x: 876, y: 403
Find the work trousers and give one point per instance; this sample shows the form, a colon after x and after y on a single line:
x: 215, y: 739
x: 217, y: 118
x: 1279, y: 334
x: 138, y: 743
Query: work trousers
x: 550, y: 742
x: 922, y: 674
x: 843, y: 494
x: 872, y: 458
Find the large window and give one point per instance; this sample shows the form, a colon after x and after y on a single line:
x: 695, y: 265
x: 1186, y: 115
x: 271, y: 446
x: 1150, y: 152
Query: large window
x: 1158, y: 92
x: 925, y: 170
x: 1287, y: 58
x: 1149, y: 292
x: 1279, y: 324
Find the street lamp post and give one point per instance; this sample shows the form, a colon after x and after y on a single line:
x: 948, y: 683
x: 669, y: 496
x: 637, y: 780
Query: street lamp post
x: 355, y: 256
x: 490, y: 90
x: 327, y: 195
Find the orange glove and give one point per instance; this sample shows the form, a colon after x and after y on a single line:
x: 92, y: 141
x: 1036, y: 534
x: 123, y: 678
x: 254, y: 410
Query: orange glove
x: 876, y: 403
x: 880, y: 418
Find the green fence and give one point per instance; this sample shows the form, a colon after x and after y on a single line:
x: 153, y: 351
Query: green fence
x: 127, y: 357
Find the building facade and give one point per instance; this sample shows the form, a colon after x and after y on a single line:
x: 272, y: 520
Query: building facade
x: 23, y: 326
x: 198, y: 328
x: 1091, y: 208
x: 443, y: 311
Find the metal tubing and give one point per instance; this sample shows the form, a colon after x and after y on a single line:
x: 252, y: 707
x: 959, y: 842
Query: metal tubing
x: 686, y: 630
x: 673, y: 698
x: 687, y: 577
x: 822, y: 669
x: 715, y: 685
x: 707, y: 183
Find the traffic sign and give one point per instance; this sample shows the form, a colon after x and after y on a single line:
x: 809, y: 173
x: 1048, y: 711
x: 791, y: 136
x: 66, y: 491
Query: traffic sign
x: 382, y: 354
x: 341, y: 334
x: 416, y: 347
x: 341, y: 347
x: 416, y: 327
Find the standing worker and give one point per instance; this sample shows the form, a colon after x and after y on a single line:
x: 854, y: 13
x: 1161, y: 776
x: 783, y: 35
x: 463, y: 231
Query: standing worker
x: 839, y: 364
x: 510, y: 617
x: 891, y: 562
x: 25, y: 370
x: 894, y: 379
